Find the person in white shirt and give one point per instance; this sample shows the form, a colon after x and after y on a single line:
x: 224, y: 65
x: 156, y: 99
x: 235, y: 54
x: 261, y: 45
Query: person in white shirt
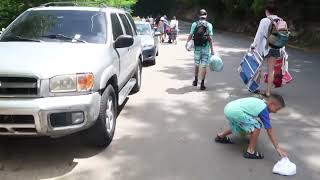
x: 151, y: 20
x: 174, y: 28
x: 271, y: 54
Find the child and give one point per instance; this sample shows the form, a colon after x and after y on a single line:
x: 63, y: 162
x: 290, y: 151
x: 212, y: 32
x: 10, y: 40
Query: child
x: 242, y: 115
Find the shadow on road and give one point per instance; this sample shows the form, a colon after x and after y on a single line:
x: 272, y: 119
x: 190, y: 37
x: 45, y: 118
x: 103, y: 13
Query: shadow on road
x: 41, y: 157
x: 183, y: 90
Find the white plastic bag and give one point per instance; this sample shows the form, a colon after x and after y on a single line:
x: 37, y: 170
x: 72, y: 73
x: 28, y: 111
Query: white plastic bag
x: 285, y: 167
x: 190, y: 46
x: 216, y: 63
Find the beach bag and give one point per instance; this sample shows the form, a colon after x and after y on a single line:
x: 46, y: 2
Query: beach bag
x: 201, y: 34
x: 216, y: 63
x: 287, y: 78
x: 285, y: 167
x: 278, y: 33
x: 281, y: 73
x: 278, y: 73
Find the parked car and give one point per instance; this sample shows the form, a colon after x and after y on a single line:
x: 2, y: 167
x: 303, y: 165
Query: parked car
x: 66, y: 69
x: 149, y: 40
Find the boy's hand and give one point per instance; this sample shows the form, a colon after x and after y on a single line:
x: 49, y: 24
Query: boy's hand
x: 282, y: 152
x: 186, y: 46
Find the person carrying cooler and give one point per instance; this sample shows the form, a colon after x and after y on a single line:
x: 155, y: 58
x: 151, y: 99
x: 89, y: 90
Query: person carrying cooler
x: 201, y: 32
x: 243, y: 115
x: 271, y: 36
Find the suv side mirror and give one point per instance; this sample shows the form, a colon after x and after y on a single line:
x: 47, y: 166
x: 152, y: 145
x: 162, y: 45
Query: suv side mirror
x: 123, y: 41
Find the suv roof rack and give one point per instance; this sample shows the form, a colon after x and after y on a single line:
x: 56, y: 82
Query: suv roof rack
x: 72, y: 3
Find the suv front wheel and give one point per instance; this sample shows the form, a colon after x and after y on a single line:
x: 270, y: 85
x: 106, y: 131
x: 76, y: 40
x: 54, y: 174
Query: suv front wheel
x: 101, y: 134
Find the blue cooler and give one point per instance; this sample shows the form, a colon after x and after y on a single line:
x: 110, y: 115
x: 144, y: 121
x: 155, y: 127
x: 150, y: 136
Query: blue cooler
x: 249, y: 70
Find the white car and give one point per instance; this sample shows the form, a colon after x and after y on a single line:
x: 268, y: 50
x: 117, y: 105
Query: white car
x: 149, y: 40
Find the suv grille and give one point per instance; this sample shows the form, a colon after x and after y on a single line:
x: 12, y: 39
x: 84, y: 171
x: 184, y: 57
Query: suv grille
x: 16, y: 119
x: 17, y: 125
x: 18, y: 86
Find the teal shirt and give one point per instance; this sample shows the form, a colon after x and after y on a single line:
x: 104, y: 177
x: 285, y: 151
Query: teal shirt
x: 246, y: 106
x: 210, y: 29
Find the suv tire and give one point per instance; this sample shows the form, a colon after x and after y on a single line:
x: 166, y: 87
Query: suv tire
x: 138, y: 77
x: 153, y: 62
x: 102, y: 132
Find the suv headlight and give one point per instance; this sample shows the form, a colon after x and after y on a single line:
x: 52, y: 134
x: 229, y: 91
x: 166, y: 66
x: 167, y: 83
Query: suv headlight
x: 72, y: 83
x: 148, y: 43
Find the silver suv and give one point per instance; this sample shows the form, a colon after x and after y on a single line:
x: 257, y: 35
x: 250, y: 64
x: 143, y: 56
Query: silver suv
x: 65, y: 69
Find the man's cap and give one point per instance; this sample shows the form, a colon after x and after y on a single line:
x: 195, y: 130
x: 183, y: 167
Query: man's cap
x: 203, y: 13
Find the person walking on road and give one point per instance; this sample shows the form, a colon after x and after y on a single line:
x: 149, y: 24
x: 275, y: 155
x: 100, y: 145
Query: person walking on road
x: 270, y: 53
x: 174, y: 28
x: 161, y: 29
x: 201, y: 33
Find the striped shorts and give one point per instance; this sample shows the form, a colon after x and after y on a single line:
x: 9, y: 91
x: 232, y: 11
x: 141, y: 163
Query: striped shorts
x: 202, y: 56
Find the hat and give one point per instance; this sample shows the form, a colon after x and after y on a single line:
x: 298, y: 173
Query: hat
x: 162, y: 19
x: 203, y: 13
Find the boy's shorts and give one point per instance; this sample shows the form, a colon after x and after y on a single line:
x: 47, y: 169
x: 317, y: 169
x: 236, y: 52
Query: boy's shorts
x: 202, y: 56
x: 241, y: 123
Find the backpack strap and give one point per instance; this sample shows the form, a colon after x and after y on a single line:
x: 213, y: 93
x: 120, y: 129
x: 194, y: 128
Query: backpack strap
x: 197, y: 24
x: 194, y: 31
x: 270, y: 29
x: 204, y: 22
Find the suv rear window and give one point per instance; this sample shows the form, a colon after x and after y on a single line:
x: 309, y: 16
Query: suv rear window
x: 56, y: 25
x: 132, y: 22
x: 126, y: 24
x: 116, y: 26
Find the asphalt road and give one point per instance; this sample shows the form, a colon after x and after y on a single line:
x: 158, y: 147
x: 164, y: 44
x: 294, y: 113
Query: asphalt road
x: 166, y: 131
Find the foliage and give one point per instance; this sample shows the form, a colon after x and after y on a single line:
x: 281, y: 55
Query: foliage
x: 258, y: 6
x: 10, y: 9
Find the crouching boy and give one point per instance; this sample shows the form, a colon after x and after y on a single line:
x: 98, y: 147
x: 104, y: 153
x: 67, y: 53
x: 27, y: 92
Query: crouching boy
x: 246, y: 116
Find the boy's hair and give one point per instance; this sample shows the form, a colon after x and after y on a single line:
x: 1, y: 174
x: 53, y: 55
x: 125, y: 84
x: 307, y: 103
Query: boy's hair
x: 278, y: 98
x: 271, y: 8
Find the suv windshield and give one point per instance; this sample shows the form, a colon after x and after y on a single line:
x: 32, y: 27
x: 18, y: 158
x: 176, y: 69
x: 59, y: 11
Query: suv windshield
x: 58, y: 25
x: 143, y: 29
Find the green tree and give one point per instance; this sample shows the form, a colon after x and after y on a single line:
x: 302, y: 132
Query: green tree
x: 10, y: 9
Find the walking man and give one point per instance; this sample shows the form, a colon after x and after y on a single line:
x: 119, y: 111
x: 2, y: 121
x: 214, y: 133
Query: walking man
x: 201, y: 32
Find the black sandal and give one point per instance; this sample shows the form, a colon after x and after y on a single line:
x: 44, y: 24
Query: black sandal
x: 255, y: 155
x: 223, y: 140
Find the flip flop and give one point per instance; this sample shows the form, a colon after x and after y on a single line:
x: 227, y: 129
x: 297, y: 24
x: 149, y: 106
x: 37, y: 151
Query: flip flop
x: 255, y: 155
x: 223, y: 140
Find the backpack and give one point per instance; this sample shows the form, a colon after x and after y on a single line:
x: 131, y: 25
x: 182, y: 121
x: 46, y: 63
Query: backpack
x: 201, y: 34
x: 278, y: 33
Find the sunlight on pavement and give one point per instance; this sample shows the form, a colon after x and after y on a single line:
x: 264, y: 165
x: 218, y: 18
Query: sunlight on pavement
x: 314, y: 160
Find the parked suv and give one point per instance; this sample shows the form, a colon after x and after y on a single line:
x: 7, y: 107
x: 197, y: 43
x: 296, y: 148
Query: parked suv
x: 66, y: 69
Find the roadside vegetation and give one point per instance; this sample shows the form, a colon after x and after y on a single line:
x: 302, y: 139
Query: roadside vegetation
x: 232, y: 15
x: 10, y: 9
x: 243, y: 15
